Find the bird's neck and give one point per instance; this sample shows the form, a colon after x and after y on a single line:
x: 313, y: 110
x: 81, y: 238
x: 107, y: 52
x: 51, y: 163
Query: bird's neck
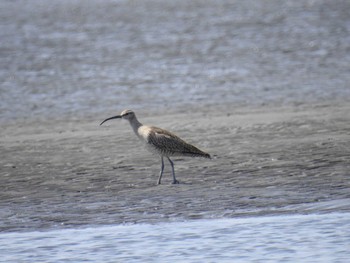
x: 135, y: 124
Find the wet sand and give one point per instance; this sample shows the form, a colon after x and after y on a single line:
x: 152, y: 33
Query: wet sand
x: 266, y: 160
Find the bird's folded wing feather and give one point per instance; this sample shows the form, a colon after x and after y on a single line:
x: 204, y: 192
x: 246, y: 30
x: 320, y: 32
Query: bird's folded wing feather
x: 168, y: 141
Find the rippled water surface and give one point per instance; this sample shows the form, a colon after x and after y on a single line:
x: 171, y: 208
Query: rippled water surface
x: 87, y: 57
x: 289, y: 238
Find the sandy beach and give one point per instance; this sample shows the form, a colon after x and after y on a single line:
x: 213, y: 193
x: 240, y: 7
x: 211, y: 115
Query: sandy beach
x: 58, y: 173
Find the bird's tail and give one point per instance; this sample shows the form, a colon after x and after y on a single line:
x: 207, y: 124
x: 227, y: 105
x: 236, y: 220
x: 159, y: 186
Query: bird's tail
x: 197, y: 154
x: 207, y: 155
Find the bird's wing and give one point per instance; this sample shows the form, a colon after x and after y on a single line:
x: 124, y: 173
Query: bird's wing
x: 170, y: 143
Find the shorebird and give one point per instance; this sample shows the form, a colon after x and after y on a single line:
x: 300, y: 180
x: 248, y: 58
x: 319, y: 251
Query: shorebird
x: 160, y: 142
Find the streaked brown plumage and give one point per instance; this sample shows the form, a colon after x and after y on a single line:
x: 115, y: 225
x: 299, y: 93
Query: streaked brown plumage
x: 160, y: 141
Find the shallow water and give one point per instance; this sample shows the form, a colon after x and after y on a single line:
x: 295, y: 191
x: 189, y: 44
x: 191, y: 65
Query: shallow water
x: 288, y: 238
x: 87, y: 57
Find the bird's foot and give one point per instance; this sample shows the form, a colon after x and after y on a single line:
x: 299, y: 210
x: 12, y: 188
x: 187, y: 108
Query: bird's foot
x: 176, y: 182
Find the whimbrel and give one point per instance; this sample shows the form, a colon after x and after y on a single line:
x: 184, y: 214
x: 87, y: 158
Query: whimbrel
x: 160, y: 142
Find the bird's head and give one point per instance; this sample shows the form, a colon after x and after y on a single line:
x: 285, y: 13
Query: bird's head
x: 126, y: 115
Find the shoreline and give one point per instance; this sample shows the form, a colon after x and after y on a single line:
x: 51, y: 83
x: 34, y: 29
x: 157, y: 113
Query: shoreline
x: 267, y: 160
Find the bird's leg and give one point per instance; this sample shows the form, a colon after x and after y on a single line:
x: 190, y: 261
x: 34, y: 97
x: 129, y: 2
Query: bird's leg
x: 161, y: 170
x: 173, y: 171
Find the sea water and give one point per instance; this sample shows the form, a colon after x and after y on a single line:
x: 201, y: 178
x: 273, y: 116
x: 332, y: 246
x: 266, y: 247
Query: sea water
x: 287, y: 238
x: 78, y: 58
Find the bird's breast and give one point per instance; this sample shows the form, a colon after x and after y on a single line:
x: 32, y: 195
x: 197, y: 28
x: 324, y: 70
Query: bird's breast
x: 143, y: 133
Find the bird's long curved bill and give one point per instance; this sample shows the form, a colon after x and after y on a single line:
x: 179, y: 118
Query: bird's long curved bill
x: 111, y: 118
